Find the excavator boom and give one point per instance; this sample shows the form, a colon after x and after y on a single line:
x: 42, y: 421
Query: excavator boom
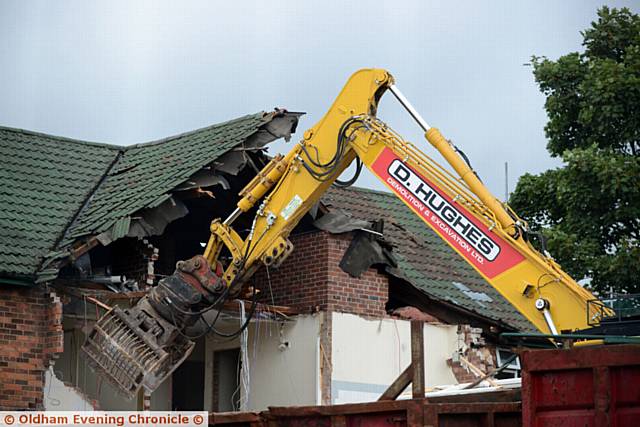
x: 484, y: 231
x: 460, y: 209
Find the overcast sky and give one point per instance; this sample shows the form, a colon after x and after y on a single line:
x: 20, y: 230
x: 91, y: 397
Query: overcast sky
x: 125, y: 72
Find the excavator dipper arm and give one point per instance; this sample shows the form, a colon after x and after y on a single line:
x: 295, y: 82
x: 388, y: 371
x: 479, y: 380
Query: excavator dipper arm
x: 460, y: 209
x: 139, y: 347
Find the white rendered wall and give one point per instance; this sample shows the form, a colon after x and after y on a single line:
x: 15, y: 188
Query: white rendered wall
x: 368, y: 355
x: 283, y: 367
x: 60, y: 397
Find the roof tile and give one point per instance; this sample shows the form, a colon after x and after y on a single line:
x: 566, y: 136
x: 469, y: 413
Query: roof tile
x: 54, y: 190
x: 426, y: 260
x: 43, y: 181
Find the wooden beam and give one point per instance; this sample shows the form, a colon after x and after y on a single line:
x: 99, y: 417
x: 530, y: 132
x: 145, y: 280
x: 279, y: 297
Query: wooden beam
x: 80, y: 290
x: 493, y: 373
x: 479, y: 372
x: 417, y: 358
x: 397, y: 387
x: 78, y: 251
x: 98, y: 303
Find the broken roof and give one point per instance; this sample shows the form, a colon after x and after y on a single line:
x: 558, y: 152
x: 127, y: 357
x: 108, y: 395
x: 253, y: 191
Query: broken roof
x: 55, y: 191
x: 424, y: 259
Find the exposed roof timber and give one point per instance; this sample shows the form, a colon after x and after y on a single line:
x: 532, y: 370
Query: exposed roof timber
x: 75, y: 307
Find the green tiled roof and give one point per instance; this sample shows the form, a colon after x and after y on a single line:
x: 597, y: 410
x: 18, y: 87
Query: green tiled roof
x: 55, y: 190
x: 146, y: 173
x: 426, y: 260
x: 44, y: 180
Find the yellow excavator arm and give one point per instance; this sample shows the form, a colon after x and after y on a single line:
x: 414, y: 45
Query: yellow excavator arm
x: 461, y: 210
x: 141, y: 346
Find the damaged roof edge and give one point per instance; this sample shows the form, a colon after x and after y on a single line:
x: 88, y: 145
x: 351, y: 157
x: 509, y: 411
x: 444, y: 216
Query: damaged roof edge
x: 267, y: 116
x: 366, y: 251
x: 270, y: 127
x: 424, y: 260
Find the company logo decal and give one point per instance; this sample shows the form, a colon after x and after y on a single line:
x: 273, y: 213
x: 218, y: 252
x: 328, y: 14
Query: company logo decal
x: 486, y: 251
x: 457, y: 224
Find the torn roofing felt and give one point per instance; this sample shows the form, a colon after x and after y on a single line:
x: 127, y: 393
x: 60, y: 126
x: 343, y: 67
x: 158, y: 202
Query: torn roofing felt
x: 56, y: 191
x: 423, y: 259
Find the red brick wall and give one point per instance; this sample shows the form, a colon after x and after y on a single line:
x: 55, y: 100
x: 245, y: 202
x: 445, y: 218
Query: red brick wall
x: 30, y: 335
x: 366, y: 295
x: 301, y: 280
x: 476, y: 350
x: 311, y: 279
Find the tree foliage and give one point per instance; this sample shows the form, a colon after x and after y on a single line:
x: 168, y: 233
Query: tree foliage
x: 589, y: 210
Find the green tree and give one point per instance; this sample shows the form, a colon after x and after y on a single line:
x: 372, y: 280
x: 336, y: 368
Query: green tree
x: 589, y: 209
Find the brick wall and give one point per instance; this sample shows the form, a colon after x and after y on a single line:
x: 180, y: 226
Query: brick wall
x: 476, y: 350
x: 366, y: 295
x: 30, y: 336
x: 311, y: 279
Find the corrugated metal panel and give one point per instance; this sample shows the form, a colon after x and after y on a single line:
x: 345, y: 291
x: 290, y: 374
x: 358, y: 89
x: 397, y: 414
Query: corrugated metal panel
x: 120, y: 227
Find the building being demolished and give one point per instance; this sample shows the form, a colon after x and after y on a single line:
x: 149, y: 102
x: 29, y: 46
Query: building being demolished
x: 86, y: 225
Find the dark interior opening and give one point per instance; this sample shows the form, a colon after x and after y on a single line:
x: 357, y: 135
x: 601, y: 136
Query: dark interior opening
x: 187, y: 382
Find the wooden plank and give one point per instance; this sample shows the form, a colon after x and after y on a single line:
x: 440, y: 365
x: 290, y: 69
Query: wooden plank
x: 82, y: 249
x: 397, y: 387
x: 417, y: 358
x: 491, y: 374
x: 99, y: 303
x: 343, y: 409
x: 479, y: 372
x: 81, y: 289
x: 503, y: 395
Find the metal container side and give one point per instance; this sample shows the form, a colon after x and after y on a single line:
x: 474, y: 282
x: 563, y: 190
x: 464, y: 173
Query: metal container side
x: 581, y: 386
